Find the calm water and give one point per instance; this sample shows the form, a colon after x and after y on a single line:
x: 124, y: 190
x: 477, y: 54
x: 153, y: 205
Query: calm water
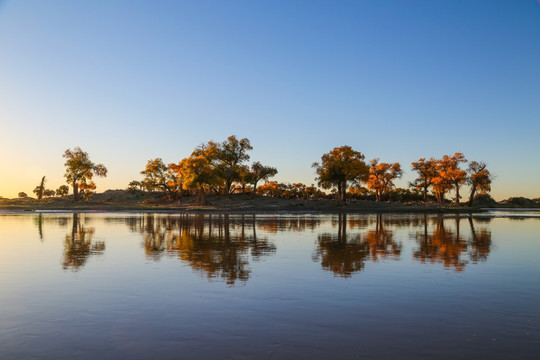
x: 162, y: 286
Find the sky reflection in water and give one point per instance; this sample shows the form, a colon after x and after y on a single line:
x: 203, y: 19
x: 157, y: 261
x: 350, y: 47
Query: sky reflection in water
x: 264, y: 286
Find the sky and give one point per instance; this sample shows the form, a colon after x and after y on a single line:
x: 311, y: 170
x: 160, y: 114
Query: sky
x: 398, y: 80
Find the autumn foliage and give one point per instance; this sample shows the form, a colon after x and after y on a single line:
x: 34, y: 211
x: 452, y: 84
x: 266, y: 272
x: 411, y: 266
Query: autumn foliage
x: 446, y: 174
x: 382, y: 176
x: 341, y: 167
x: 223, y: 168
x: 213, y: 167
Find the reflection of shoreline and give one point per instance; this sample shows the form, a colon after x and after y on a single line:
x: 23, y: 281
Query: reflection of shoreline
x: 222, y: 245
x: 232, y: 204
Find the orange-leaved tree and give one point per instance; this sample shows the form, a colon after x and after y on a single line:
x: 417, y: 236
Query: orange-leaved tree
x: 197, y: 173
x: 426, y: 170
x: 450, y: 170
x: 382, y: 176
x: 159, y: 176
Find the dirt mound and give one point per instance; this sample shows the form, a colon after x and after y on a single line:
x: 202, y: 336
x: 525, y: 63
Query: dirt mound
x: 122, y: 196
x: 520, y: 202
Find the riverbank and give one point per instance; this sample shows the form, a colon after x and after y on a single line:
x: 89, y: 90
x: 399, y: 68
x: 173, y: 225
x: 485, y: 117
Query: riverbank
x: 237, y: 203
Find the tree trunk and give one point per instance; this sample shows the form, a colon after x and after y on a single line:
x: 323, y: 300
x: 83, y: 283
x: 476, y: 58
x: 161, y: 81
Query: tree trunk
x: 41, y: 188
x: 75, y: 190
x: 425, y: 193
x: 344, y: 192
x: 471, y: 198
x: 202, y: 197
x: 457, y: 194
x: 254, y: 187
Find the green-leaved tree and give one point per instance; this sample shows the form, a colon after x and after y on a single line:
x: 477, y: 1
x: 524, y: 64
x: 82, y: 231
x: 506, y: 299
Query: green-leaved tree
x: 339, y: 168
x: 80, y: 170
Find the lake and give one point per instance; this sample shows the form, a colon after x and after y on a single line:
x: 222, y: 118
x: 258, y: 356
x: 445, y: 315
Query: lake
x: 207, y: 286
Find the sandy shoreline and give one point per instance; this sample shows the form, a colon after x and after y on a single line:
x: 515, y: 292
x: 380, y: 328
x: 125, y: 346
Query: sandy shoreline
x: 240, y: 203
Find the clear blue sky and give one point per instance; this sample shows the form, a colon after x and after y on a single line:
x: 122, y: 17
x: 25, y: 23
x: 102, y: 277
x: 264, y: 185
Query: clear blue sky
x: 133, y: 80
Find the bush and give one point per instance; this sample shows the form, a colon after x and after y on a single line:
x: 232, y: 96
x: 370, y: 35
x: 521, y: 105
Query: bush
x: 484, y: 200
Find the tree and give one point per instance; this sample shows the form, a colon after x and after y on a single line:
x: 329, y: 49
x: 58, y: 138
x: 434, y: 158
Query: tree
x: 245, y: 180
x: 426, y: 170
x: 48, y: 193
x: 154, y: 175
x: 339, y: 167
x: 197, y: 173
x: 230, y: 156
x: 87, y: 189
x: 62, y: 191
x: 259, y: 172
x: 158, y: 176
x: 80, y: 170
x: 22, y: 195
x: 440, y: 183
x: 479, y: 179
x: 39, y: 190
x: 382, y: 176
x: 451, y: 172
x: 135, y: 185
x: 227, y: 158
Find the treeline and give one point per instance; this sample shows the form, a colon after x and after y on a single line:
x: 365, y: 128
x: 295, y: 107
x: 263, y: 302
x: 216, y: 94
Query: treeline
x: 221, y: 168
x: 345, y: 170
x: 213, y: 167
x: 224, y: 168
x: 41, y: 192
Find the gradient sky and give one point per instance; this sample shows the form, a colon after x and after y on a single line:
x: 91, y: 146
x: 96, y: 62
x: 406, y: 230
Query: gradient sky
x: 133, y: 80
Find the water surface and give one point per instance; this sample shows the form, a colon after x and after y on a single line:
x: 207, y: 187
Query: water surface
x: 183, y: 286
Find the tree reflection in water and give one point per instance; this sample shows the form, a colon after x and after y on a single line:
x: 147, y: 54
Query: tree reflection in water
x: 341, y: 253
x: 38, y: 220
x: 215, y: 245
x: 78, y: 245
x: 381, y: 242
x: 344, y: 253
x: 480, y: 241
x: 448, y: 247
x: 221, y: 246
